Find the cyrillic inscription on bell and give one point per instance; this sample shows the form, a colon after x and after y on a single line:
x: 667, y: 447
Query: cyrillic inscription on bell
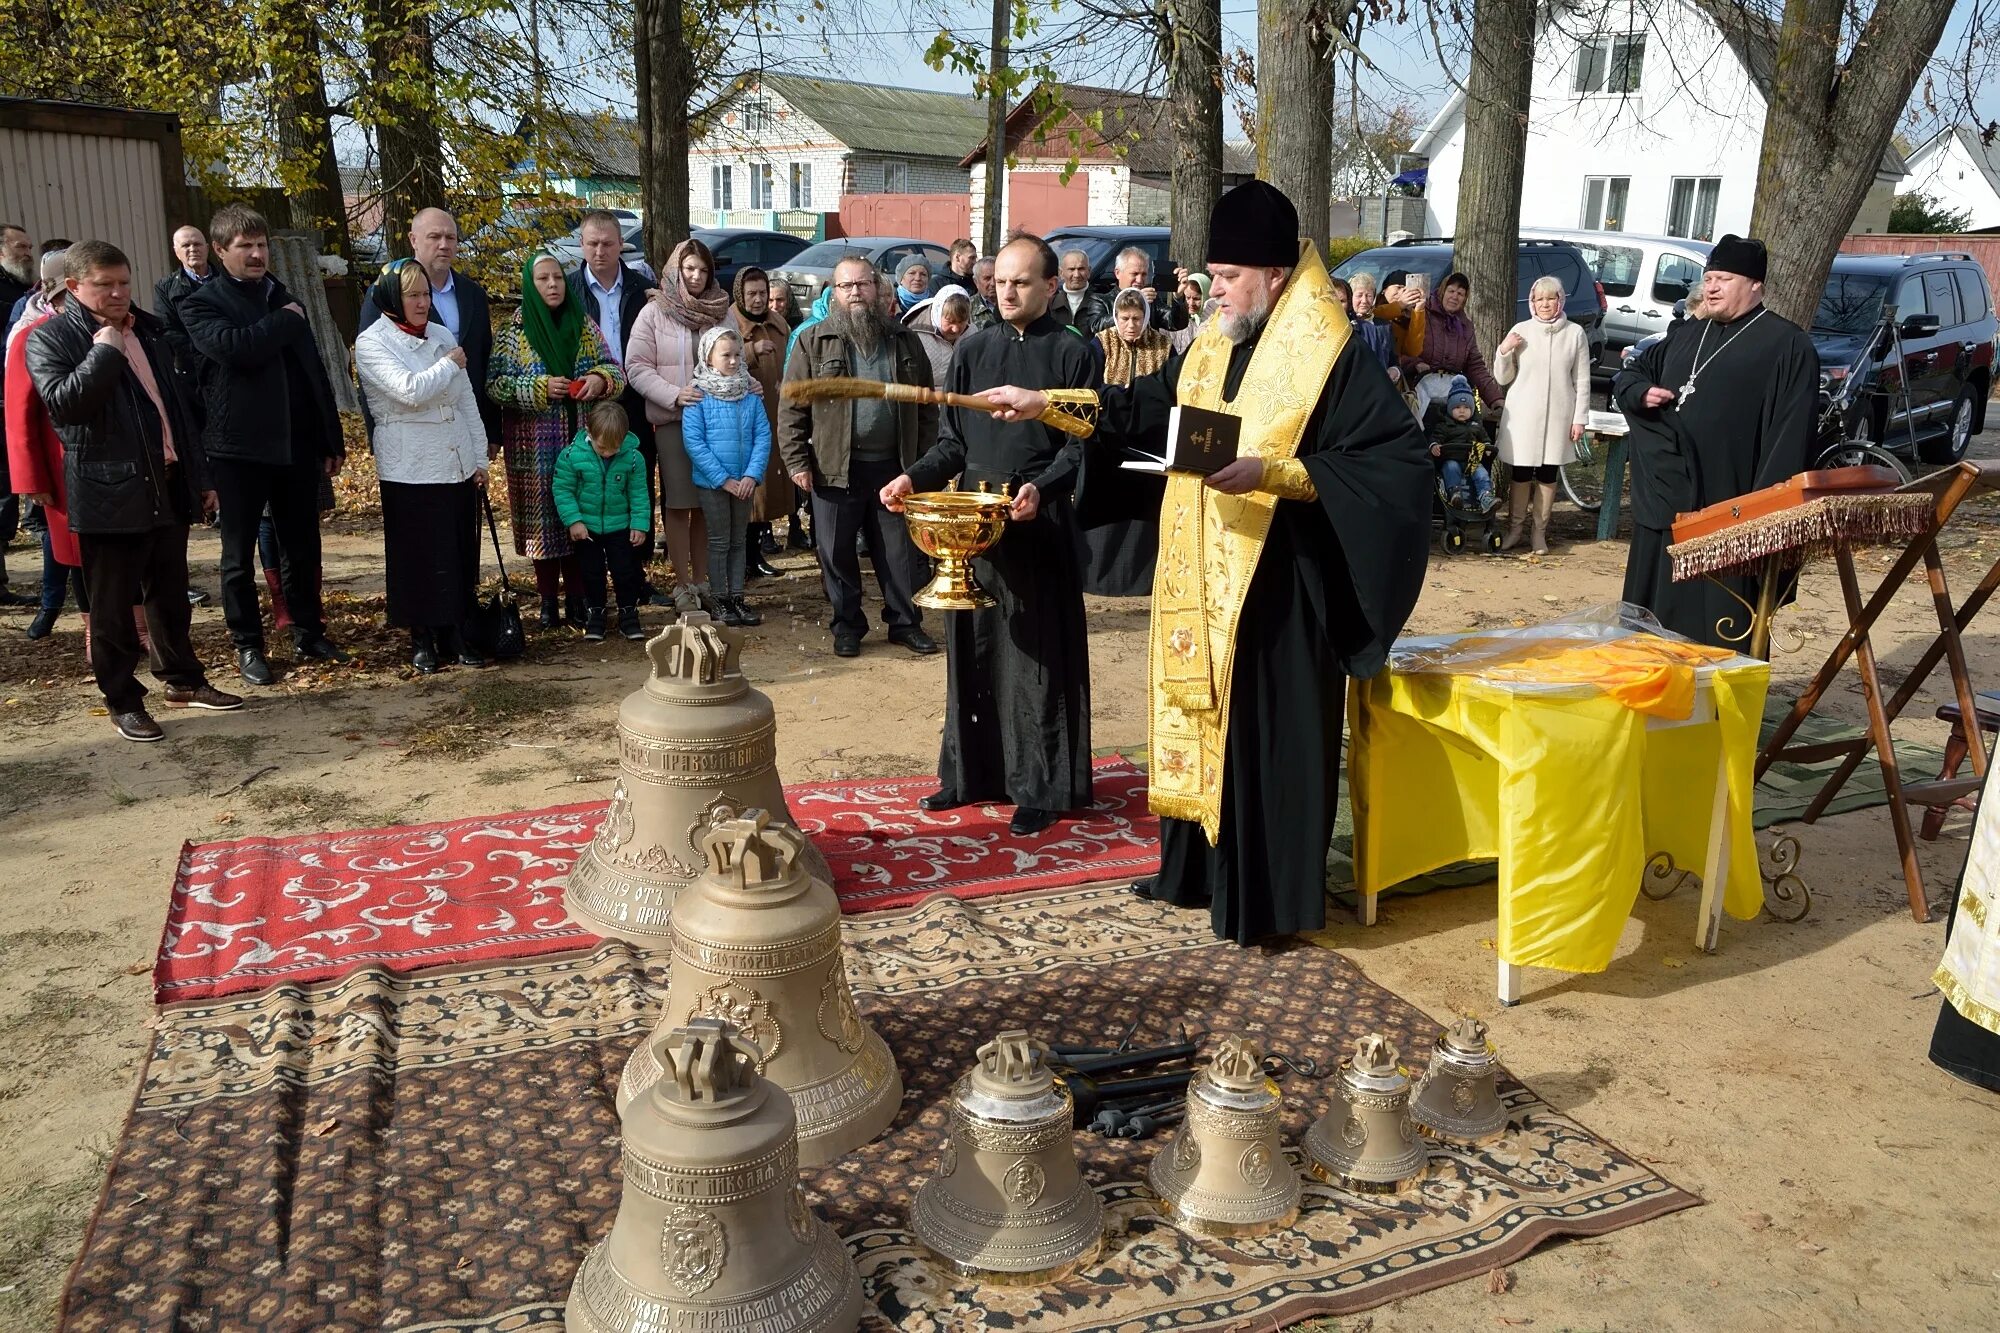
x: 1224, y: 1172
x: 695, y: 740
x: 1457, y: 1098
x: 756, y: 944
x: 1008, y: 1205
x: 1366, y: 1140
x: 713, y: 1232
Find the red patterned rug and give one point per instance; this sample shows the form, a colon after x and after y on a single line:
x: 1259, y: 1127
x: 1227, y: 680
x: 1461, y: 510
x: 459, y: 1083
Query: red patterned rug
x: 259, y: 911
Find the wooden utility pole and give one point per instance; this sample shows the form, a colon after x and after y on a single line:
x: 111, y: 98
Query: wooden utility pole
x: 996, y: 125
x: 1496, y: 149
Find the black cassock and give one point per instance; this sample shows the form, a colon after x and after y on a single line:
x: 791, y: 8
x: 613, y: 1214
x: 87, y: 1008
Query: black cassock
x: 1748, y: 424
x: 1335, y: 582
x: 1017, y: 692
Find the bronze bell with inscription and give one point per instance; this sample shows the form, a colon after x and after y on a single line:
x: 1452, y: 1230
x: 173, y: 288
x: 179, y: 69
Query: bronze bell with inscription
x: 1367, y: 1141
x: 1457, y: 1098
x: 1224, y: 1173
x: 756, y: 944
x: 713, y: 1234
x: 694, y: 741
x: 1008, y: 1205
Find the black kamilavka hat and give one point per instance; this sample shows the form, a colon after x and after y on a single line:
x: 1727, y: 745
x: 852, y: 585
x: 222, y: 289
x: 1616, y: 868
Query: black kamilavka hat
x: 1738, y: 254
x: 1254, y: 226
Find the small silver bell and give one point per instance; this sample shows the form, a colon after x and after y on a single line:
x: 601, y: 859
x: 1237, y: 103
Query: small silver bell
x: 1366, y: 1141
x: 1457, y: 1098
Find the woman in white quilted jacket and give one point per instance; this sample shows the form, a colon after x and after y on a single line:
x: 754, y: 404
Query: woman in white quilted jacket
x: 430, y: 454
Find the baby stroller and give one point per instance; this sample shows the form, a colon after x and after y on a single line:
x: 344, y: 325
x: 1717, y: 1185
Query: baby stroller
x: 1464, y: 519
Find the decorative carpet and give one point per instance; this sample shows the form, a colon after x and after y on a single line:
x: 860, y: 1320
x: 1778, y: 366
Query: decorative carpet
x: 258, y: 911
x: 436, y: 1152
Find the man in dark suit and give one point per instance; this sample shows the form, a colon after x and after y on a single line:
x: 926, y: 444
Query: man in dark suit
x: 191, y: 249
x: 613, y: 294
x: 271, y: 432
x: 458, y: 303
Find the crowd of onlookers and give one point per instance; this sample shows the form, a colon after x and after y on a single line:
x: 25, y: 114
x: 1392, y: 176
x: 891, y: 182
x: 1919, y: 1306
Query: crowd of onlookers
x: 632, y: 415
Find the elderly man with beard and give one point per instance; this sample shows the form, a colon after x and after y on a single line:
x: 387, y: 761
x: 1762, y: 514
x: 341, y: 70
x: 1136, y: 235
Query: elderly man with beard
x: 1017, y: 687
x: 17, y: 266
x: 844, y: 451
x: 1279, y: 575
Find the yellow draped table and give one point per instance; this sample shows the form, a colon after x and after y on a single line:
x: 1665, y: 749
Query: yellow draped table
x: 1571, y: 763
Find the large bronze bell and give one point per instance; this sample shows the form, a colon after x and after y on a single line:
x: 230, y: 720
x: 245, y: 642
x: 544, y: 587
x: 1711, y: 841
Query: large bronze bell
x: 756, y: 944
x: 1225, y: 1172
x: 1457, y: 1098
x: 693, y: 739
x: 1008, y: 1205
x: 1366, y: 1141
x: 713, y: 1230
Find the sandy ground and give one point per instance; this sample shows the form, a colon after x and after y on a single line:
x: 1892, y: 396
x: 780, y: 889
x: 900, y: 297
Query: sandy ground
x: 1850, y: 1184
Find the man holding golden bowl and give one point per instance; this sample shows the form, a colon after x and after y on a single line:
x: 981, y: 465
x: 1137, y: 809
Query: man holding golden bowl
x: 1017, y: 693
x: 1279, y: 575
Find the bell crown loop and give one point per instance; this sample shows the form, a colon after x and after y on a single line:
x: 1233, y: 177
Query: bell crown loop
x: 1373, y: 1067
x: 708, y: 1071
x: 753, y: 854
x: 1234, y: 1077
x: 695, y: 660
x: 1467, y: 1039
x: 1012, y: 1081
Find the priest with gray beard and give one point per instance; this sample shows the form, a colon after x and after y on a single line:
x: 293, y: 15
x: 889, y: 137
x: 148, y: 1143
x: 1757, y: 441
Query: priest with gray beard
x: 843, y: 451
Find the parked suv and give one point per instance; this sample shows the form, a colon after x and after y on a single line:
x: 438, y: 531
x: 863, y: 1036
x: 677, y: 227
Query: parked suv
x: 1642, y: 277
x: 1906, y: 350
x: 810, y: 270
x: 1103, y: 245
x: 1432, y: 256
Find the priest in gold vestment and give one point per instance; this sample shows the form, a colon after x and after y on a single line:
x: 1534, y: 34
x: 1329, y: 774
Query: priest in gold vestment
x: 1278, y: 576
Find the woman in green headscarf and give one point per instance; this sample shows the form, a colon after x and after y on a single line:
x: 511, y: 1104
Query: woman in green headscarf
x: 549, y: 363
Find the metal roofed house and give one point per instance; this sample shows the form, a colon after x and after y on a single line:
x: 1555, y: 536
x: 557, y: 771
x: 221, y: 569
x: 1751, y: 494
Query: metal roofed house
x: 1123, y: 144
x: 1646, y: 116
x: 1960, y: 173
x: 793, y: 152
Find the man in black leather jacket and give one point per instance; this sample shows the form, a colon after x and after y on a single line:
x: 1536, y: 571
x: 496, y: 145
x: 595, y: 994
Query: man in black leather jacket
x: 135, y: 474
x: 271, y: 430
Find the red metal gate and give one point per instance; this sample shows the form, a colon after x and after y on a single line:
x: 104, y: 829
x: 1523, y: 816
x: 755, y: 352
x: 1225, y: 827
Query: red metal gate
x: 1040, y: 201
x: 942, y: 218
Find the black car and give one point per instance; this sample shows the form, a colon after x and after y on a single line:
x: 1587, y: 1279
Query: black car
x: 1906, y: 350
x: 746, y: 247
x: 1104, y: 244
x: 1433, y: 257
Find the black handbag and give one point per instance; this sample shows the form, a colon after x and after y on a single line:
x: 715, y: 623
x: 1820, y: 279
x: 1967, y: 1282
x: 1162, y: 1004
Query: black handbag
x: 497, y: 632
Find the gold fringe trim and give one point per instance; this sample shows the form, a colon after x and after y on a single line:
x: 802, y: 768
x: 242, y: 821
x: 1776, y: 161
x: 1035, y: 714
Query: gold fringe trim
x: 1961, y: 999
x: 1808, y: 532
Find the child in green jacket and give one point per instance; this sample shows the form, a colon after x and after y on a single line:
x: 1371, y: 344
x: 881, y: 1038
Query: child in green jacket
x: 600, y: 492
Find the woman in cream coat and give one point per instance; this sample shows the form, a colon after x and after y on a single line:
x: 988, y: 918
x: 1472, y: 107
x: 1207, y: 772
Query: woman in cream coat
x: 430, y: 454
x: 1545, y: 364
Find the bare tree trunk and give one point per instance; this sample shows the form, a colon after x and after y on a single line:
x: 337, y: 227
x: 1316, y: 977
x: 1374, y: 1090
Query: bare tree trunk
x: 305, y: 133
x: 1825, y: 129
x: 1496, y: 145
x: 996, y: 127
x: 1295, y: 45
x: 664, y: 135
x: 409, y: 150
x: 1191, y: 49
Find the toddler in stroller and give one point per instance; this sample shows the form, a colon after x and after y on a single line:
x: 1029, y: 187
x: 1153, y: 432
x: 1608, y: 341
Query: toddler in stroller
x: 1460, y: 448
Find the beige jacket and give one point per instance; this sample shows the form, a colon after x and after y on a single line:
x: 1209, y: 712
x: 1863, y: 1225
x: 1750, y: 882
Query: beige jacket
x: 1548, y: 391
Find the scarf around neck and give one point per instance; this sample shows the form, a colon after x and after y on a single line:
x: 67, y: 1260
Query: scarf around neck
x: 556, y: 335
x: 713, y: 382
x: 697, y: 312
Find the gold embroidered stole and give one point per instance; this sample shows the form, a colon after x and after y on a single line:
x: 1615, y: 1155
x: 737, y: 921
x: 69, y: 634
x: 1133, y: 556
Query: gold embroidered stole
x: 1210, y: 542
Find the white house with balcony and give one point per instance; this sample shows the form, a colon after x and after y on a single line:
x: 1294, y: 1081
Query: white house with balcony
x: 1645, y: 116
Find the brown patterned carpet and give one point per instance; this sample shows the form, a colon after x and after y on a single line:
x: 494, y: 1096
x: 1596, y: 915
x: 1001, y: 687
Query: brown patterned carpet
x: 435, y: 1152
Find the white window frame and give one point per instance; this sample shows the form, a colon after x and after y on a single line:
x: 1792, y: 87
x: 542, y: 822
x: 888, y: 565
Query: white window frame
x: 756, y: 115
x: 721, y: 187
x: 802, y: 185
x: 891, y: 172
x: 1610, y: 65
x: 1692, y: 227
x: 760, y: 187
x: 1597, y: 212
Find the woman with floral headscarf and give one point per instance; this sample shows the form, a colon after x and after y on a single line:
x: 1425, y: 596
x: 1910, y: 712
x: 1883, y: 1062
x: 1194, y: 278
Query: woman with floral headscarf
x: 661, y: 359
x: 430, y: 457
x: 548, y: 363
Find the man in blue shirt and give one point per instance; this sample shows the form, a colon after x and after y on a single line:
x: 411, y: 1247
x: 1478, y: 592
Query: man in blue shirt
x: 613, y: 294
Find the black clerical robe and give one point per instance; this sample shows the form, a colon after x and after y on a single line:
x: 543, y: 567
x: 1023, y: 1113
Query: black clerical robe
x: 1748, y: 422
x: 1337, y: 578
x: 1017, y: 692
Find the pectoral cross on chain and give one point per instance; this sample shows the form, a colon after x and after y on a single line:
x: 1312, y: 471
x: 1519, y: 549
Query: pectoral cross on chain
x: 1685, y: 392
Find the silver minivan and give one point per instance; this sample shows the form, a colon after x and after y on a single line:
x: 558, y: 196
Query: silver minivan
x: 1642, y: 277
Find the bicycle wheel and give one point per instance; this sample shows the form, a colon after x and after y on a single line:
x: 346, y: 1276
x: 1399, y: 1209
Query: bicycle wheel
x: 1583, y: 477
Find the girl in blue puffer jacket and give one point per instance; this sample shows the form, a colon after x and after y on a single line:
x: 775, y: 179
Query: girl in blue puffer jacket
x: 728, y: 438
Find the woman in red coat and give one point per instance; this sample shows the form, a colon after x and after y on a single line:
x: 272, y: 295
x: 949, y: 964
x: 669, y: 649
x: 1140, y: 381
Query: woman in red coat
x: 35, y: 464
